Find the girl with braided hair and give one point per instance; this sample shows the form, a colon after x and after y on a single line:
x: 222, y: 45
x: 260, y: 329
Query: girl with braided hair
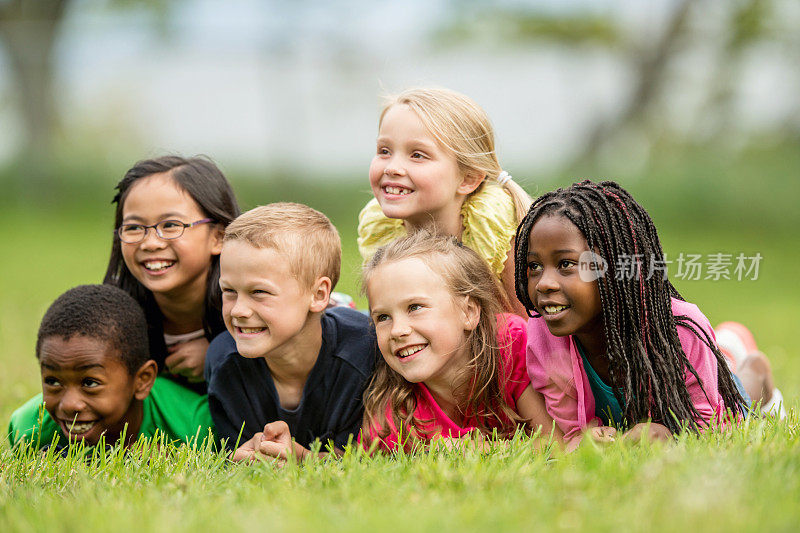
x: 611, y: 343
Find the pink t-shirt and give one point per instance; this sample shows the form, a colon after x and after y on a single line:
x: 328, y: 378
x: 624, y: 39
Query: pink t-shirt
x: 556, y: 370
x: 511, y: 335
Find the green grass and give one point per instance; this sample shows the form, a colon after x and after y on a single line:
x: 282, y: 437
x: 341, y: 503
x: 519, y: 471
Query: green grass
x: 744, y: 479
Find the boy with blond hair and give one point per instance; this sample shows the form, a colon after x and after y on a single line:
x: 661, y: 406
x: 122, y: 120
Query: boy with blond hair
x: 287, y: 372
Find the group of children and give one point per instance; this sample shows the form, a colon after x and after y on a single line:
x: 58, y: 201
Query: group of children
x: 485, y: 316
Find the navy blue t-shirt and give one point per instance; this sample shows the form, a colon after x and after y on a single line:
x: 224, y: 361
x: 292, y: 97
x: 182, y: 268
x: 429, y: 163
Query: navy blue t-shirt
x: 241, y: 390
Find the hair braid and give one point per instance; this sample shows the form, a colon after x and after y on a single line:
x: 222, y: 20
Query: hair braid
x: 646, y: 360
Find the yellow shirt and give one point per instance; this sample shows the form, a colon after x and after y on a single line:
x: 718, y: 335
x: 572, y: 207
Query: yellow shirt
x: 489, y: 219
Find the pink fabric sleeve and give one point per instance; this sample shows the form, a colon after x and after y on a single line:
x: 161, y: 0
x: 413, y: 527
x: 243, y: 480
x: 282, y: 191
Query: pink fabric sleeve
x: 550, y: 368
x: 512, y: 338
x: 706, y: 398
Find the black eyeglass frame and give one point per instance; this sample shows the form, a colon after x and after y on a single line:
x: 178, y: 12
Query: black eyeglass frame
x: 155, y: 227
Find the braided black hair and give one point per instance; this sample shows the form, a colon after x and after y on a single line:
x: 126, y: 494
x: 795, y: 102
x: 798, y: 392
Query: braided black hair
x: 646, y: 359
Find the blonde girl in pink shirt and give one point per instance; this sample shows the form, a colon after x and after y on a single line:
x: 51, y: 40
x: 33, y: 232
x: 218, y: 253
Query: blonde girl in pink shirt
x: 611, y: 343
x: 452, y: 366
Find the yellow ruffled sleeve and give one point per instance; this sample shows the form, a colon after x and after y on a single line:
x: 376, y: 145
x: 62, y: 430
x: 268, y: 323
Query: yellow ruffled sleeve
x: 490, y: 223
x: 375, y: 229
x: 489, y: 219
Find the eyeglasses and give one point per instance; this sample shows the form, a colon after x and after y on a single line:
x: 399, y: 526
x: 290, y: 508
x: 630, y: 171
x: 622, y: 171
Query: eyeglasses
x: 166, y: 229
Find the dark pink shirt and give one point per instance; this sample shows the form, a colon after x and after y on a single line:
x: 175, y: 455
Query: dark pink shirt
x: 511, y: 338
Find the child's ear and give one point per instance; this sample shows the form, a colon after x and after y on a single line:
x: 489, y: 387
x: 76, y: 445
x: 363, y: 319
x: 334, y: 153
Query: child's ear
x: 217, y: 233
x: 320, y: 294
x: 472, y: 180
x: 144, y: 379
x: 472, y: 314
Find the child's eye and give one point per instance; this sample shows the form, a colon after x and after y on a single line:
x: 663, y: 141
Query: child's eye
x: 566, y: 263
x: 534, y: 268
x: 51, y: 382
x: 90, y: 383
x: 383, y: 151
x: 171, y: 224
x: 415, y: 307
x: 382, y: 317
x: 132, y: 228
x: 418, y: 155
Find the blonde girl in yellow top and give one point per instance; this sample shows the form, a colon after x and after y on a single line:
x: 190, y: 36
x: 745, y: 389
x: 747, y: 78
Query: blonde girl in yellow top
x: 435, y: 167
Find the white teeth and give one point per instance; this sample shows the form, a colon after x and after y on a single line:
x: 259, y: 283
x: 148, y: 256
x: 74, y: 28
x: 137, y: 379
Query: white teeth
x: 251, y: 330
x: 411, y: 350
x: 79, y: 428
x: 553, y: 309
x: 158, y: 265
x: 397, y: 190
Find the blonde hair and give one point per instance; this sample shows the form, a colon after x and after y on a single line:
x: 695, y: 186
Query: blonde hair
x: 464, y: 128
x: 305, y: 236
x: 479, y: 391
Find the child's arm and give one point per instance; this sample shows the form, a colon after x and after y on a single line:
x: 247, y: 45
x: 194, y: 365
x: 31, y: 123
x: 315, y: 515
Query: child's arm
x: 531, y: 407
x: 650, y: 430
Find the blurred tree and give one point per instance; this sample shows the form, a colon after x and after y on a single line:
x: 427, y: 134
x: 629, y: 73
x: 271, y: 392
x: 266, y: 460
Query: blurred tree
x: 649, y: 64
x: 28, y: 32
x: 747, y: 24
x: 741, y: 25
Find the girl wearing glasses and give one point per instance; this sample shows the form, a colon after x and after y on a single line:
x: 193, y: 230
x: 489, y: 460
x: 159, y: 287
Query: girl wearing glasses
x: 170, y: 217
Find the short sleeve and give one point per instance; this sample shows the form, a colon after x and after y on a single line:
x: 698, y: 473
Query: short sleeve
x: 550, y: 368
x: 375, y: 229
x: 512, y: 340
x: 704, y: 392
x: 24, y: 424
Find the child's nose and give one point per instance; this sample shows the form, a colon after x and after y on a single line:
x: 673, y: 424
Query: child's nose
x: 72, y: 403
x: 240, y: 309
x: 547, y: 282
x: 393, y: 168
x: 400, y: 328
x: 152, y: 241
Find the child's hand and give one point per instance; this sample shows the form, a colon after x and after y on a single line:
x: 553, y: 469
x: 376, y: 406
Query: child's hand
x: 187, y: 359
x: 650, y: 430
x: 277, y: 442
x: 247, y: 451
x: 603, y: 434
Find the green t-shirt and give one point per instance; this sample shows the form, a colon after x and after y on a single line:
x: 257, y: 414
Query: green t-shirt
x: 177, y: 412
x: 606, y: 406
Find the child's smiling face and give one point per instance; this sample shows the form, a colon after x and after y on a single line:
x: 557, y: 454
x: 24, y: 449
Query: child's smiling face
x: 421, y: 330
x: 265, y: 307
x: 568, y: 304
x: 413, y: 176
x: 168, y: 266
x: 88, y: 390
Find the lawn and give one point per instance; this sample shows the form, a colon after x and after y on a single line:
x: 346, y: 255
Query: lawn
x: 746, y: 479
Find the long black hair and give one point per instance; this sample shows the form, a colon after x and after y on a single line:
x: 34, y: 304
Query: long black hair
x: 646, y: 359
x: 205, y: 183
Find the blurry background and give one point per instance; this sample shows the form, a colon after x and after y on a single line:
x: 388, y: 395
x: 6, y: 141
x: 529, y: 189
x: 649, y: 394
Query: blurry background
x: 694, y: 106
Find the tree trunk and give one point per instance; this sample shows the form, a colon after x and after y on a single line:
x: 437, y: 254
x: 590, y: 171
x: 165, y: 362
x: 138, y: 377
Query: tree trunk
x: 650, y: 76
x: 28, y: 29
